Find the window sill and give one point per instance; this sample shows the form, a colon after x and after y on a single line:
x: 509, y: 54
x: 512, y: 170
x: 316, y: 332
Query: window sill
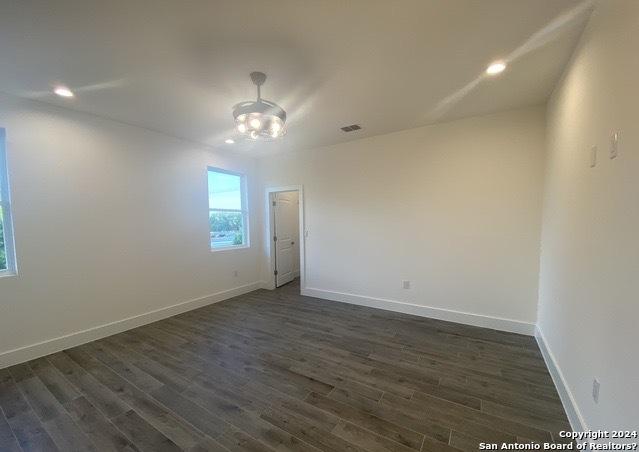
x: 7, y: 274
x: 230, y: 248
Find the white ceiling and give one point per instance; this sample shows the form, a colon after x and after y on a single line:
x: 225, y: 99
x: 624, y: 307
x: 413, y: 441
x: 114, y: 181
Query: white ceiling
x: 178, y: 66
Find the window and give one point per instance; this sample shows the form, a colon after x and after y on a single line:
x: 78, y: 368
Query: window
x: 7, y: 263
x: 228, y: 212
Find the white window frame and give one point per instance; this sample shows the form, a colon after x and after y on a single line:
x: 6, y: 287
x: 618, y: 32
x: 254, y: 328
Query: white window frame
x: 244, y: 210
x: 5, y: 203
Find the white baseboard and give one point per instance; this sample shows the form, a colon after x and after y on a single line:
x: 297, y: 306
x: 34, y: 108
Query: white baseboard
x: 496, y: 323
x: 26, y: 353
x: 571, y: 408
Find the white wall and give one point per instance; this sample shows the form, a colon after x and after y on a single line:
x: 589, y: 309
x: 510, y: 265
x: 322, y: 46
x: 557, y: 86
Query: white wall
x: 111, y: 221
x: 455, y: 208
x: 589, y: 279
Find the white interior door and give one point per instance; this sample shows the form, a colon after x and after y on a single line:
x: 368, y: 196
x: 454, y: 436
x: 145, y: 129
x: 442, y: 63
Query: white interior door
x: 286, y: 221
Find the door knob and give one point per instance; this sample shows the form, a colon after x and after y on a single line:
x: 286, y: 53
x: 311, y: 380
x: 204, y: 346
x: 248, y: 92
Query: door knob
x: 292, y: 243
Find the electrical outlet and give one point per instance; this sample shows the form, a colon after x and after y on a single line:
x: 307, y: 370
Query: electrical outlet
x: 614, y: 144
x: 235, y: 274
x: 593, y: 156
x: 406, y: 284
x: 595, y: 390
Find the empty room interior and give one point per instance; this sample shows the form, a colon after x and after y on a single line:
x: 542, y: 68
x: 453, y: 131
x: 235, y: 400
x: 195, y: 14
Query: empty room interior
x: 319, y: 225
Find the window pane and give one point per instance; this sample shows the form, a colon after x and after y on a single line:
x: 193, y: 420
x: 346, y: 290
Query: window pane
x: 226, y: 229
x: 3, y: 253
x: 225, y: 191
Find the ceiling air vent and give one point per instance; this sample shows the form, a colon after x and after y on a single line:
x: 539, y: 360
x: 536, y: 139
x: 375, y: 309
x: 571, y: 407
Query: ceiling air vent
x: 352, y: 128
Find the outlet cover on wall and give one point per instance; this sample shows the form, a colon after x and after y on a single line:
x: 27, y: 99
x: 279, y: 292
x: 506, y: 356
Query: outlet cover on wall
x: 595, y: 390
x: 406, y: 284
x: 593, y: 156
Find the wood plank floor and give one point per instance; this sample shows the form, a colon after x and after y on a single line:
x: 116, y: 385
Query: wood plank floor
x: 272, y: 370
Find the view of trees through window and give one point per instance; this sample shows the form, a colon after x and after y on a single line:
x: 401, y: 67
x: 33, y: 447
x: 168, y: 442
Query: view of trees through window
x: 226, y: 228
x: 227, y: 214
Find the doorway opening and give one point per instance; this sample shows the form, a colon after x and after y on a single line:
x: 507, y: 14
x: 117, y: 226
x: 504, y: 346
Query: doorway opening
x: 286, y: 233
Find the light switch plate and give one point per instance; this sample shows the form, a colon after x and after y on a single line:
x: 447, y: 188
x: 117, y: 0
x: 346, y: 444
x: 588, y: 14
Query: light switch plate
x: 595, y: 390
x: 593, y: 156
x: 614, y: 144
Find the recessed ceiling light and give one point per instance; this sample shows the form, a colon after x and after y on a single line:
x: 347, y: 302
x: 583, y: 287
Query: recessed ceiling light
x: 229, y: 141
x: 495, y: 68
x: 63, y: 91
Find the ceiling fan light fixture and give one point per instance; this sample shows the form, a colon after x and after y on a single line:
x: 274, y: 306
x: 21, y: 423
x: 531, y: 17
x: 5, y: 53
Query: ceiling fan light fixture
x: 259, y: 119
x: 255, y: 122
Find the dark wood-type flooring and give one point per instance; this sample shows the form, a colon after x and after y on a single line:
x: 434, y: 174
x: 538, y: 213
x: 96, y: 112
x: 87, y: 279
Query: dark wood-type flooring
x: 272, y: 370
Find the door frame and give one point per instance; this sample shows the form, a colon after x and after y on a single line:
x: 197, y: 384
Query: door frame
x: 270, y: 227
